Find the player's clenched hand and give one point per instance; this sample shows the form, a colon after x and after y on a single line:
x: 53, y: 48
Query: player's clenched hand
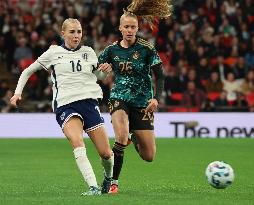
x: 105, y: 67
x: 15, y: 98
x: 152, y: 106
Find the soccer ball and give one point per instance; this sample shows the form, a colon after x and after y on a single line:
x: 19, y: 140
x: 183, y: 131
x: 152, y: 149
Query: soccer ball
x: 219, y: 174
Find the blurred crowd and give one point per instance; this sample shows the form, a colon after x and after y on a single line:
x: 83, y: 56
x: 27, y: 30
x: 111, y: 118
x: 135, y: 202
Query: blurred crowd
x: 207, y: 49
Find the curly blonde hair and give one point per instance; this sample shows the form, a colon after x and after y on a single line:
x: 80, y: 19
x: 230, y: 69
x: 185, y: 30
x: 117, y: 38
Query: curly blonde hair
x: 151, y: 9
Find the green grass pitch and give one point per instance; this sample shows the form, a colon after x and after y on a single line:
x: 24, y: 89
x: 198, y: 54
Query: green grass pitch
x: 43, y: 172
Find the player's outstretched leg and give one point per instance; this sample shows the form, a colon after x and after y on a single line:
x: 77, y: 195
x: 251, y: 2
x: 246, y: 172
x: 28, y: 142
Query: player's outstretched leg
x: 86, y: 170
x: 108, y: 165
x: 118, y: 150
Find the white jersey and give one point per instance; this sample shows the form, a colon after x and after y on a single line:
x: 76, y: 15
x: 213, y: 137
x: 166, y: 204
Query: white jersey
x: 71, y: 73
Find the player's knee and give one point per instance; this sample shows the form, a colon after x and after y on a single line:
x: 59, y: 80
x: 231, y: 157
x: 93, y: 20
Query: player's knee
x: 77, y: 143
x: 148, y: 158
x: 106, y: 154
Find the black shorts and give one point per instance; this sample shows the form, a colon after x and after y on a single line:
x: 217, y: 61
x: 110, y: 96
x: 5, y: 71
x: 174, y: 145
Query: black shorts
x: 138, y: 119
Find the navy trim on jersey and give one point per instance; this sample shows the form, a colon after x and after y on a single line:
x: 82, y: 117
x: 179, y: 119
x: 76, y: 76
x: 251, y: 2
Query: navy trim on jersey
x: 79, y: 46
x: 44, y: 67
x: 54, y: 76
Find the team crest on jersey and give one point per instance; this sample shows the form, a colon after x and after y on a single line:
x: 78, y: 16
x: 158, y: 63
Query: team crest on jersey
x: 116, y: 58
x: 116, y: 103
x: 136, y: 55
x: 85, y: 56
x: 62, y: 116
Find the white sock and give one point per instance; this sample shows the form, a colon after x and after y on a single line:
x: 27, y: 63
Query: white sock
x: 108, y: 166
x: 114, y: 181
x: 84, y: 166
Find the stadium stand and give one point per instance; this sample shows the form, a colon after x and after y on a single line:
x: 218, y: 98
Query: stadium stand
x: 202, y: 37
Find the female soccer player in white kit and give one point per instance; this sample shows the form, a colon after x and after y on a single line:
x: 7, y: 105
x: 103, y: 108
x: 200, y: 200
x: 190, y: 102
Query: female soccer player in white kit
x: 74, y: 74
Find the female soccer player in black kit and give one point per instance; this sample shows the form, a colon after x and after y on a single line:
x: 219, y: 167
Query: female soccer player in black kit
x: 132, y: 99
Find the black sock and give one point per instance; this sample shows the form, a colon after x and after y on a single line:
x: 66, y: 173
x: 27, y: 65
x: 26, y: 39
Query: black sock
x: 118, y: 150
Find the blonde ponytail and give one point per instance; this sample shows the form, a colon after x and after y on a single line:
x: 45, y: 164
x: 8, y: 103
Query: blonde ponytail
x: 151, y: 9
